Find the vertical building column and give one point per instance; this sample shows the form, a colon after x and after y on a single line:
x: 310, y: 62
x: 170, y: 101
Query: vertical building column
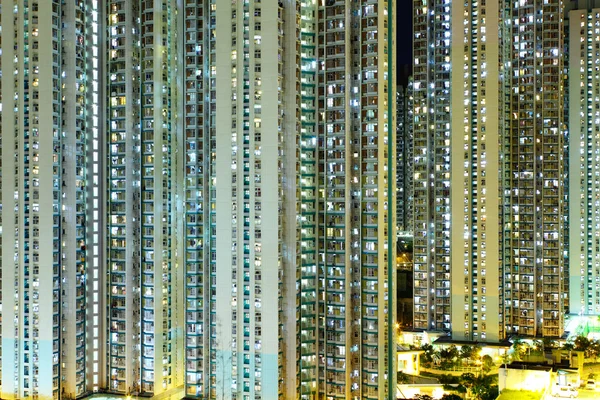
x: 95, y: 252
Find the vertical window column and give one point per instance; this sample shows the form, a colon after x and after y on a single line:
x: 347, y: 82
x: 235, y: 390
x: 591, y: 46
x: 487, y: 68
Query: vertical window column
x: 95, y: 181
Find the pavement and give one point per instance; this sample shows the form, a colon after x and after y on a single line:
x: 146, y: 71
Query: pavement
x: 583, y: 394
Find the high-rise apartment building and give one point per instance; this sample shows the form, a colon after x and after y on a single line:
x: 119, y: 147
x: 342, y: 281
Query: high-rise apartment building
x: 241, y: 103
x: 533, y: 144
x: 201, y: 195
x: 431, y: 152
x: 93, y: 274
x: 584, y: 148
x: 50, y: 126
x: 503, y: 62
x: 294, y: 177
x: 355, y: 132
x: 404, y: 157
x: 144, y: 310
x: 476, y: 173
x: 199, y: 131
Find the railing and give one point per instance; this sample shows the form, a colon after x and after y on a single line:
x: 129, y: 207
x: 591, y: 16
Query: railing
x: 461, y: 369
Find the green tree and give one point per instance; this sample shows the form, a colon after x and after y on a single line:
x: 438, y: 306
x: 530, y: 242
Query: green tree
x: 427, y: 355
x: 593, y: 351
x: 448, y: 379
x: 538, y: 346
x: 449, y: 357
x: 467, y: 380
x: 487, y: 362
x: 466, y: 351
x: 423, y: 397
x: 505, y: 357
x: 568, y: 346
x: 581, y: 343
x: 451, y: 396
x: 403, y: 377
x: 549, y: 343
x: 491, y: 393
x: 520, y: 349
x: 480, y: 387
x: 470, y: 353
x: 436, y: 357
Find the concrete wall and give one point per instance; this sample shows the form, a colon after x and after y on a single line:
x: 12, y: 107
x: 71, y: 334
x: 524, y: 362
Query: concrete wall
x: 523, y: 379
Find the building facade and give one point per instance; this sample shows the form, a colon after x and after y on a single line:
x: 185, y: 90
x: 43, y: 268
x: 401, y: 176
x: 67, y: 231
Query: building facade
x: 533, y: 143
x: 431, y: 152
x: 200, y: 230
x: 404, y: 157
x: 200, y: 214
x: 144, y: 313
x: 284, y: 164
x: 51, y: 346
x: 240, y: 225
x: 476, y: 177
x: 584, y: 169
x: 93, y: 196
x: 506, y: 272
x: 355, y: 132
